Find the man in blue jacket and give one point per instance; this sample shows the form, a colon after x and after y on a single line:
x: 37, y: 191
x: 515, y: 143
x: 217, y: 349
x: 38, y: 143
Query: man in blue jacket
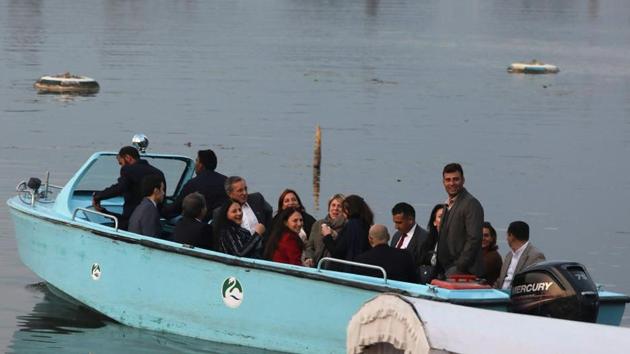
x: 145, y: 219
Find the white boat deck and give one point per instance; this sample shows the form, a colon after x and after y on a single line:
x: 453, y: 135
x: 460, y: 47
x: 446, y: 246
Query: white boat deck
x: 461, y: 329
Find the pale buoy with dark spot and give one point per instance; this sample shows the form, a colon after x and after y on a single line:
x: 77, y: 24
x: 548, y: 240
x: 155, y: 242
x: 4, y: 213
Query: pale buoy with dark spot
x: 66, y: 83
x: 533, y: 67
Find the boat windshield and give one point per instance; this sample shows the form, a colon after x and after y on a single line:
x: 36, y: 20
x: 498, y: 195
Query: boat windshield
x: 104, y: 172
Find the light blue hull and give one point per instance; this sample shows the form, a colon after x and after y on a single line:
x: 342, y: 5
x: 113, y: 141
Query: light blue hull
x: 164, y: 286
x: 159, y: 285
x: 153, y: 289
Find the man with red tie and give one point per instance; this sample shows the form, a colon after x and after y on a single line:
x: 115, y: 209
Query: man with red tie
x: 409, y: 235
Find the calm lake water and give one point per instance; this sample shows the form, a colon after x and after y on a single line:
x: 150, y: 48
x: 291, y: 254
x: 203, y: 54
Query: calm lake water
x: 399, y: 88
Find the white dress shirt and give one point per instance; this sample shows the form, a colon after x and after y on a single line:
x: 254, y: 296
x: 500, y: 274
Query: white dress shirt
x: 449, y: 202
x: 516, y: 256
x: 408, y: 236
x: 249, y: 218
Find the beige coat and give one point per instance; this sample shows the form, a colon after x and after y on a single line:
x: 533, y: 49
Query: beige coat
x: 314, y: 247
x: 531, y: 255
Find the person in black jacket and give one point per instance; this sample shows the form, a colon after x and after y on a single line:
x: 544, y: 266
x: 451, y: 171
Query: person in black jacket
x: 255, y: 208
x: 427, y: 266
x: 145, y: 219
x: 207, y: 181
x: 231, y: 237
x: 398, y: 264
x: 409, y: 235
x: 129, y: 184
x: 352, y: 240
x: 191, y: 229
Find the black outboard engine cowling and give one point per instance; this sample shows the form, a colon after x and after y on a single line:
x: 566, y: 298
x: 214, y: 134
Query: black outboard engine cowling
x: 555, y: 289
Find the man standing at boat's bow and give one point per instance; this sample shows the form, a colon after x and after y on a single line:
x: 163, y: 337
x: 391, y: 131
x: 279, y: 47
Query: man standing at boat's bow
x: 133, y: 169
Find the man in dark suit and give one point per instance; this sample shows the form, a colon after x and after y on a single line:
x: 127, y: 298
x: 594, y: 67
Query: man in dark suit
x: 129, y: 184
x: 397, y: 263
x: 255, y: 208
x: 459, y: 245
x: 145, y: 219
x: 207, y: 181
x: 522, y: 254
x: 191, y: 229
x: 409, y: 235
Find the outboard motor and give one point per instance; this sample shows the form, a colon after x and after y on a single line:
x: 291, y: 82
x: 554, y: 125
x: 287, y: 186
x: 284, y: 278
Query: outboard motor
x: 555, y: 289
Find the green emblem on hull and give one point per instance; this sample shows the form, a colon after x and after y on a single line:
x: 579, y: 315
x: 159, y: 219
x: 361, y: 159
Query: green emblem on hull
x: 232, y: 292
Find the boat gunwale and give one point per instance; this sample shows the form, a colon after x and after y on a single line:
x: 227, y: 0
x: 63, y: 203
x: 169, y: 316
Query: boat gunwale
x: 247, y: 263
x: 614, y: 298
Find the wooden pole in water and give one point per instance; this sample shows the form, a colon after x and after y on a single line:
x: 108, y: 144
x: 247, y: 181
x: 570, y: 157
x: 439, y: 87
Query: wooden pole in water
x: 317, y: 160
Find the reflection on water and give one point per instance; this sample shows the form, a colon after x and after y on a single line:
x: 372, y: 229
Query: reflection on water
x: 65, y: 98
x: 317, y: 162
x: 56, y: 316
x: 371, y: 7
x: 26, y: 31
x: 56, y: 325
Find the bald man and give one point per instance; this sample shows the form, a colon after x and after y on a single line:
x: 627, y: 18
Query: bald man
x: 397, y: 263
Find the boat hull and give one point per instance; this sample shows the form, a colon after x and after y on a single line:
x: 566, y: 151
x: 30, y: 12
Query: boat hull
x: 66, y: 84
x: 66, y: 89
x: 164, y: 286
x: 530, y: 68
x: 148, y: 288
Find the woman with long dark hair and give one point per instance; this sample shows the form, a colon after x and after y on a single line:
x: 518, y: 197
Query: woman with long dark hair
x: 428, y: 252
x: 289, y: 198
x: 353, y: 238
x: 232, y: 238
x: 491, y: 257
x: 284, y: 244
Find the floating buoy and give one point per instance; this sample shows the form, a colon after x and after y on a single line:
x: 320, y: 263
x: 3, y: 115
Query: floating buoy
x: 533, y: 67
x: 66, y: 83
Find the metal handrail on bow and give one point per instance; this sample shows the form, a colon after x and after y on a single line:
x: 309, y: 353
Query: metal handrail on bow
x: 86, y: 211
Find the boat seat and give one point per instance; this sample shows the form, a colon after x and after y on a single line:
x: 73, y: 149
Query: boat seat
x: 460, y: 282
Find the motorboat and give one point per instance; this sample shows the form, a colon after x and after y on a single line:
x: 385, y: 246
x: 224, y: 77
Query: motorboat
x: 160, y: 285
x: 66, y: 83
x: 533, y: 67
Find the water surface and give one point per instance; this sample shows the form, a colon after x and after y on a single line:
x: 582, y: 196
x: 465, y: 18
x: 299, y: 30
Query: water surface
x: 399, y: 88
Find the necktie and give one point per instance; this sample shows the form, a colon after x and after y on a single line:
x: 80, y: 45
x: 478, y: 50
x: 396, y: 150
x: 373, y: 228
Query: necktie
x: 401, y: 241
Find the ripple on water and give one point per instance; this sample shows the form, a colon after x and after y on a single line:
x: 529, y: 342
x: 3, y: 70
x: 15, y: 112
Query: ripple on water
x: 22, y: 110
x: 56, y: 325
